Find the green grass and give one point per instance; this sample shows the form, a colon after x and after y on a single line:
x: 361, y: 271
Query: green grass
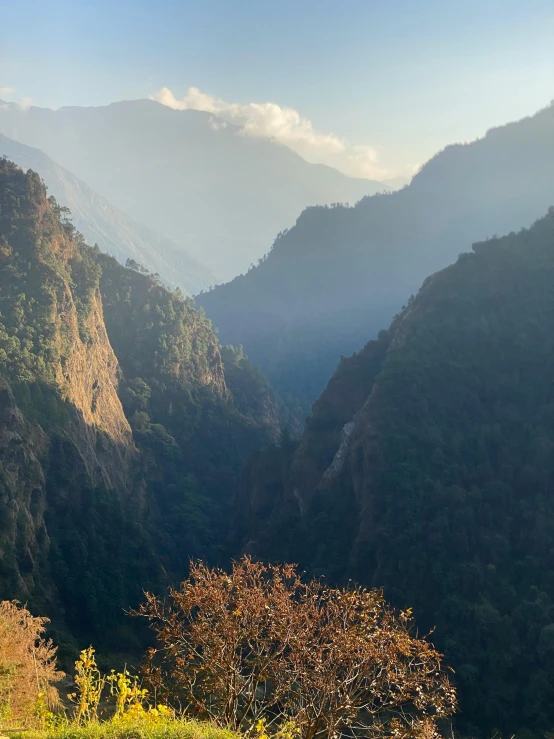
x: 138, y: 729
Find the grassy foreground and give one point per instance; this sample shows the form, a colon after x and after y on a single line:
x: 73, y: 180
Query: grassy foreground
x: 126, y: 729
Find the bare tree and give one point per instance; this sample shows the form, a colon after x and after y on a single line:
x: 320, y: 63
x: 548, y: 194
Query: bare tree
x: 27, y: 665
x: 261, y: 644
x: 223, y: 640
x: 357, y: 669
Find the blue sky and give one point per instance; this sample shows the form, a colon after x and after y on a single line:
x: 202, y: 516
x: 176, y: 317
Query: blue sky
x: 402, y: 77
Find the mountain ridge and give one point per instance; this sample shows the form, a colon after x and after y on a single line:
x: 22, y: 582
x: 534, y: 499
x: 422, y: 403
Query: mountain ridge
x: 101, y: 223
x: 220, y: 194
x: 340, y: 272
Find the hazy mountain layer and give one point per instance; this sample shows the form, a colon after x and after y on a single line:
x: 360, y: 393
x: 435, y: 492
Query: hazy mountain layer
x: 341, y: 274
x: 188, y: 175
x: 428, y: 469
x: 106, y: 226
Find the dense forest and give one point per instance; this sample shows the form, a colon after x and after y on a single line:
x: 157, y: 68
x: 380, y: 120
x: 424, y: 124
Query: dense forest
x: 427, y: 468
x: 123, y: 425
x: 341, y: 273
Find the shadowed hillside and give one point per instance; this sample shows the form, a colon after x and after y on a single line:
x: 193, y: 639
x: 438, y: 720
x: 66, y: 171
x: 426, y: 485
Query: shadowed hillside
x: 341, y: 274
x: 427, y: 468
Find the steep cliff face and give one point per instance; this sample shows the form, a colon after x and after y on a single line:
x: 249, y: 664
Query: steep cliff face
x: 90, y: 375
x: 88, y: 379
x: 53, y: 328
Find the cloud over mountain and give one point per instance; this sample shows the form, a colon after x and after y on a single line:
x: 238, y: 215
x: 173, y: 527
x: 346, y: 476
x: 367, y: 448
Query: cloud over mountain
x: 286, y: 126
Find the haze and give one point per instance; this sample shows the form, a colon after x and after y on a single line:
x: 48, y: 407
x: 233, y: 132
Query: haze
x: 375, y: 88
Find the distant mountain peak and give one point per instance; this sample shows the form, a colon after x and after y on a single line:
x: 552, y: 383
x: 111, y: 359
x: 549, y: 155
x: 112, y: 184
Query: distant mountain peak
x: 187, y: 174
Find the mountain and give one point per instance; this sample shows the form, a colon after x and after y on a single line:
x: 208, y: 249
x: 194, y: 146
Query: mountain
x: 102, y: 224
x: 189, y: 175
x: 123, y: 424
x: 340, y: 274
x: 427, y: 469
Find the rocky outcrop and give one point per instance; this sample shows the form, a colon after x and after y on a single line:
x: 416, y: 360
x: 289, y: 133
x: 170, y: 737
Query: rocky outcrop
x: 89, y: 378
x: 338, y: 460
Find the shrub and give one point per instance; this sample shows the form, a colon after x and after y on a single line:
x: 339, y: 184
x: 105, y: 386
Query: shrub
x: 27, y: 665
x: 260, y: 651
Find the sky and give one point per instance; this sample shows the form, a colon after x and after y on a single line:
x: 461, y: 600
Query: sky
x: 373, y: 87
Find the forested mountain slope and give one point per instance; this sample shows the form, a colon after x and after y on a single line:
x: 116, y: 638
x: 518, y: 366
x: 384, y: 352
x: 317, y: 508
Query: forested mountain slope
x: 187, y: 174
x: 340, y: 274
x: 428, y: 469
x: 120, y: 437
x: 102, y: 224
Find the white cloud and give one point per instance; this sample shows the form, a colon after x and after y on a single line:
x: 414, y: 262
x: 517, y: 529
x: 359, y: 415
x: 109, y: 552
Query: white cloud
x: 25, y: 103
x: 266, y: 120
x: 6, y: 91
x: 284, y: 125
